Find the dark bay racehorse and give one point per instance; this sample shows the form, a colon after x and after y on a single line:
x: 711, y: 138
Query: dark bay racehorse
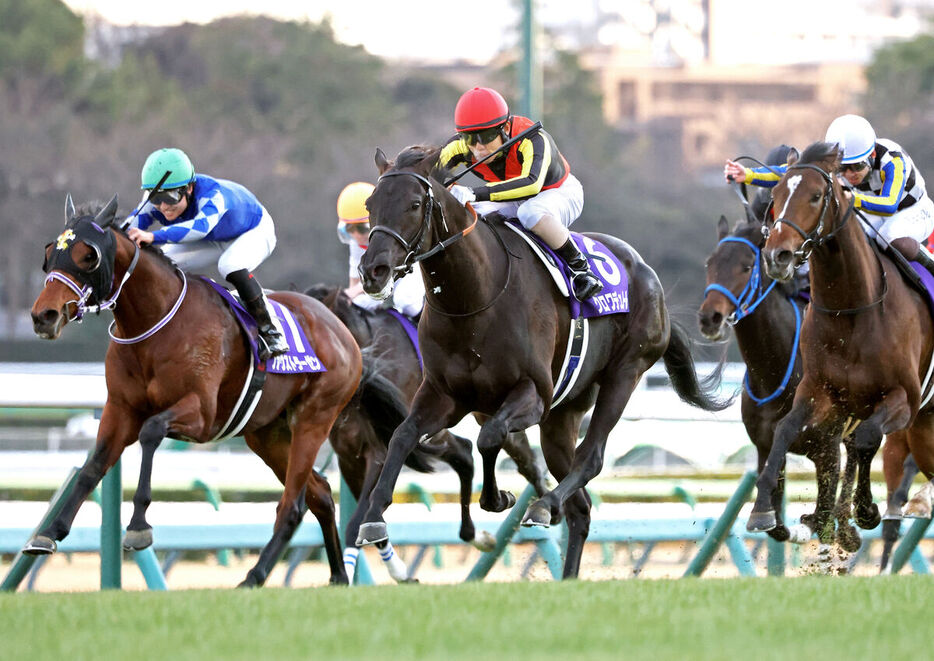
x: 766, y: 317
x: 866, y: 342
x: 361, y: 453
x: 493, y: 338
x: 179, y: 371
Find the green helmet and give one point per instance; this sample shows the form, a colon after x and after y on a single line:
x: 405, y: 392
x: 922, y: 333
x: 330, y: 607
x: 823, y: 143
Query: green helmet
x: 171, y: 160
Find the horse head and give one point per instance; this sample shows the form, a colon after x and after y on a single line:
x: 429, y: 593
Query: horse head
x: 402, y: 208
x: 806, y: 203
x: 80, y: 267
x: 733, y: 277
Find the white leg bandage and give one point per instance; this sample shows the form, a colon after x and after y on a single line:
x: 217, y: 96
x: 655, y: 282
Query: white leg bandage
x: 350, y: 562
x: 393, y: 562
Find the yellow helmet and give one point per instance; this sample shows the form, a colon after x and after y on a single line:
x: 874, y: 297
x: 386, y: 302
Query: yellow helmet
x: 351, y: 203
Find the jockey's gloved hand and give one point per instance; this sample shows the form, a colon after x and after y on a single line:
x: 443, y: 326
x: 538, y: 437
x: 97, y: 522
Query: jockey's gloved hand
x: 463, y: 194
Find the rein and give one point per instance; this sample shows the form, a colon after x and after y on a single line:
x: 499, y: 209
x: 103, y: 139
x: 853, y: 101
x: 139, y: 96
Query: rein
x: 159, y: 324
x: 746, y: 303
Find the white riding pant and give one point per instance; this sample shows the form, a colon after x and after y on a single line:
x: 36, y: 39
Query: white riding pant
x: 564, y: 203
x: 221, y: 258
x: 917, y: 222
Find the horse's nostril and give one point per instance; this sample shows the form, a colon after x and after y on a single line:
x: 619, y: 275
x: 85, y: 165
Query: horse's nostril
x: 716, y: 319
x: 45, y: 318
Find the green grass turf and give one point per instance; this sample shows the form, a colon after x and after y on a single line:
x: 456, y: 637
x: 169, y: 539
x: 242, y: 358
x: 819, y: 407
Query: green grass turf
x: 808, y: 618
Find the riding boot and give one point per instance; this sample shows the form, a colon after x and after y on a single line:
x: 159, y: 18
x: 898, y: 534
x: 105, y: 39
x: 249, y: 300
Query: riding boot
x: 272, y: 343
x: 583, y: 281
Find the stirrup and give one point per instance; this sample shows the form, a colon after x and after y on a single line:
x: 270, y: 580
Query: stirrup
x: 271, y: 344
x: 585, y: 285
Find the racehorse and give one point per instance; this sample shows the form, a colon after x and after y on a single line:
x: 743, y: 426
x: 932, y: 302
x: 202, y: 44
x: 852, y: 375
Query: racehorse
x: 866, y: 340
x: 493, y: 337
x: 175, y: 368
x: 361, y: 453
x: 766, y: 318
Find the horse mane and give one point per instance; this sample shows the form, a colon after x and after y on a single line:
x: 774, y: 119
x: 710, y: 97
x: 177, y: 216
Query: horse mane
x: 414, y: 156
x: 819, y: 152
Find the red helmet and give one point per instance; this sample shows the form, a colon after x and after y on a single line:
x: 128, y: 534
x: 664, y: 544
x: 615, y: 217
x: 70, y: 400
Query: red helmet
x: 480, y: 108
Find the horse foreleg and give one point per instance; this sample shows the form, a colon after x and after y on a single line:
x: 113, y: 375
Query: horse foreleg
x: 827, y: 471
x: 458, y: 454
x: 184, y: 416
x: 118, y: 428
x: 522, y: 408
x: 763, y: 518
x: 847, y: 536
x: 430, y: 413
x: 517, y: 446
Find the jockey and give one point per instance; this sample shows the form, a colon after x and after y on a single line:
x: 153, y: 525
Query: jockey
x: 353, y: 228
x: 207, y: 223
x: 531, y: 181
x: 882, y: 180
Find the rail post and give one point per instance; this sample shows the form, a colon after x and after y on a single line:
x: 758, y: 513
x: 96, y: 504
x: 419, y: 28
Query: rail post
x: 909, y: 545
x: 721, y: 528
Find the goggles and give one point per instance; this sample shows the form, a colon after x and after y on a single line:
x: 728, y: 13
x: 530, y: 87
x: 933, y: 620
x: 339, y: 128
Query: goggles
x: 855, y: 167
x: 171, y: 197
x: 483, y: 137
x: 353, y: 233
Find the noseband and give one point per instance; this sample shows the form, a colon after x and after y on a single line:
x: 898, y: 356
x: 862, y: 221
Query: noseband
x: 750, y: 298
x: 815, y: 238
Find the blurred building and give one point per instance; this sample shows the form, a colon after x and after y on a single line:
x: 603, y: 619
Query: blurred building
x: 708, y: 79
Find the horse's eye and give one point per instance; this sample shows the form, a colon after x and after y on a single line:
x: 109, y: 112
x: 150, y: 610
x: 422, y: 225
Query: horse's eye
x: 416, y: 204
x: 816, y: 197
x: 747, y: 268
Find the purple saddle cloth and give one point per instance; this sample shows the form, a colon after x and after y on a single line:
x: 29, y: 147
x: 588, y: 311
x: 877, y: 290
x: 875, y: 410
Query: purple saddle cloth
x: 604, y: 264
x: 301, y: 357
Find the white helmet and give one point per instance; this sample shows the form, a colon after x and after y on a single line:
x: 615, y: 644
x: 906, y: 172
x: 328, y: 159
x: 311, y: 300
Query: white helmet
x: 855, y: 136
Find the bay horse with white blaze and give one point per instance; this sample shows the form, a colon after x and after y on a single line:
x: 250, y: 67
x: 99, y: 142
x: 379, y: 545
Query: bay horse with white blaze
x: 866, y: 342
x: 766, y: 317
x: 175, y: 368
x: 493, y: 337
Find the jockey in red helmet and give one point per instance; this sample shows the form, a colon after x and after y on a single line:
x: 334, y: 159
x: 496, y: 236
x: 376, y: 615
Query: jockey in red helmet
x: 530, y: 181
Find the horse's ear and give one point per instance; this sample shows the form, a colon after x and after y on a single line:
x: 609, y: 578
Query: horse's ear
x: 106, y: 215
x: 382, y: 163
x: 723, y: 228
x: 792, y: 156
x: 69, y: 208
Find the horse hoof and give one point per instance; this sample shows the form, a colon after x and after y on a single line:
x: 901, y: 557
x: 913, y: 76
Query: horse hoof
x: 372, y: 533
x: 538, y: 515
x: 868, y: 518
x: 510, y: 499
x: 484, y: 541
x: 799, y: 534
x: 848, y: 539
x: 917, y: 510
x: 40, y: 545
x: 761, y: 521
x: 137, y: 540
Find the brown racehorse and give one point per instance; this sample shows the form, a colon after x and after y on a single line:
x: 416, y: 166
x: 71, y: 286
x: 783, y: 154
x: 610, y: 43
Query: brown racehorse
x: 493, y: 337
x: 866, y: 342
x: 361, y: 452
x: 766, y: 319
x: 184, y: 379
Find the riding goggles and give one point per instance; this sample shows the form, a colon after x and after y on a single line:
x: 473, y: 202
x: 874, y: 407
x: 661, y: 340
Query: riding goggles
x: 855, y: 167
x: 353, y: 233
x: 483, y: 136
x: 171, y: 197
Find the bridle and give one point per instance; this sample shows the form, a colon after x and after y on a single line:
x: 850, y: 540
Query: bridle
x: 815, y: 239
x: 412, y: 256
x: 752, y: 295
x: 746, y: 303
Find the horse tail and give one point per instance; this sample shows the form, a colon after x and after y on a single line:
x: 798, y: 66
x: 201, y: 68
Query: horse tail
x: 384, y: 406
x: 679, y: 363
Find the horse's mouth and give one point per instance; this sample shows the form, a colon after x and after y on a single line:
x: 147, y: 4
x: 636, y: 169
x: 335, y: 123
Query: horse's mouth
x: 715, y: 334
x: 383, y: 293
